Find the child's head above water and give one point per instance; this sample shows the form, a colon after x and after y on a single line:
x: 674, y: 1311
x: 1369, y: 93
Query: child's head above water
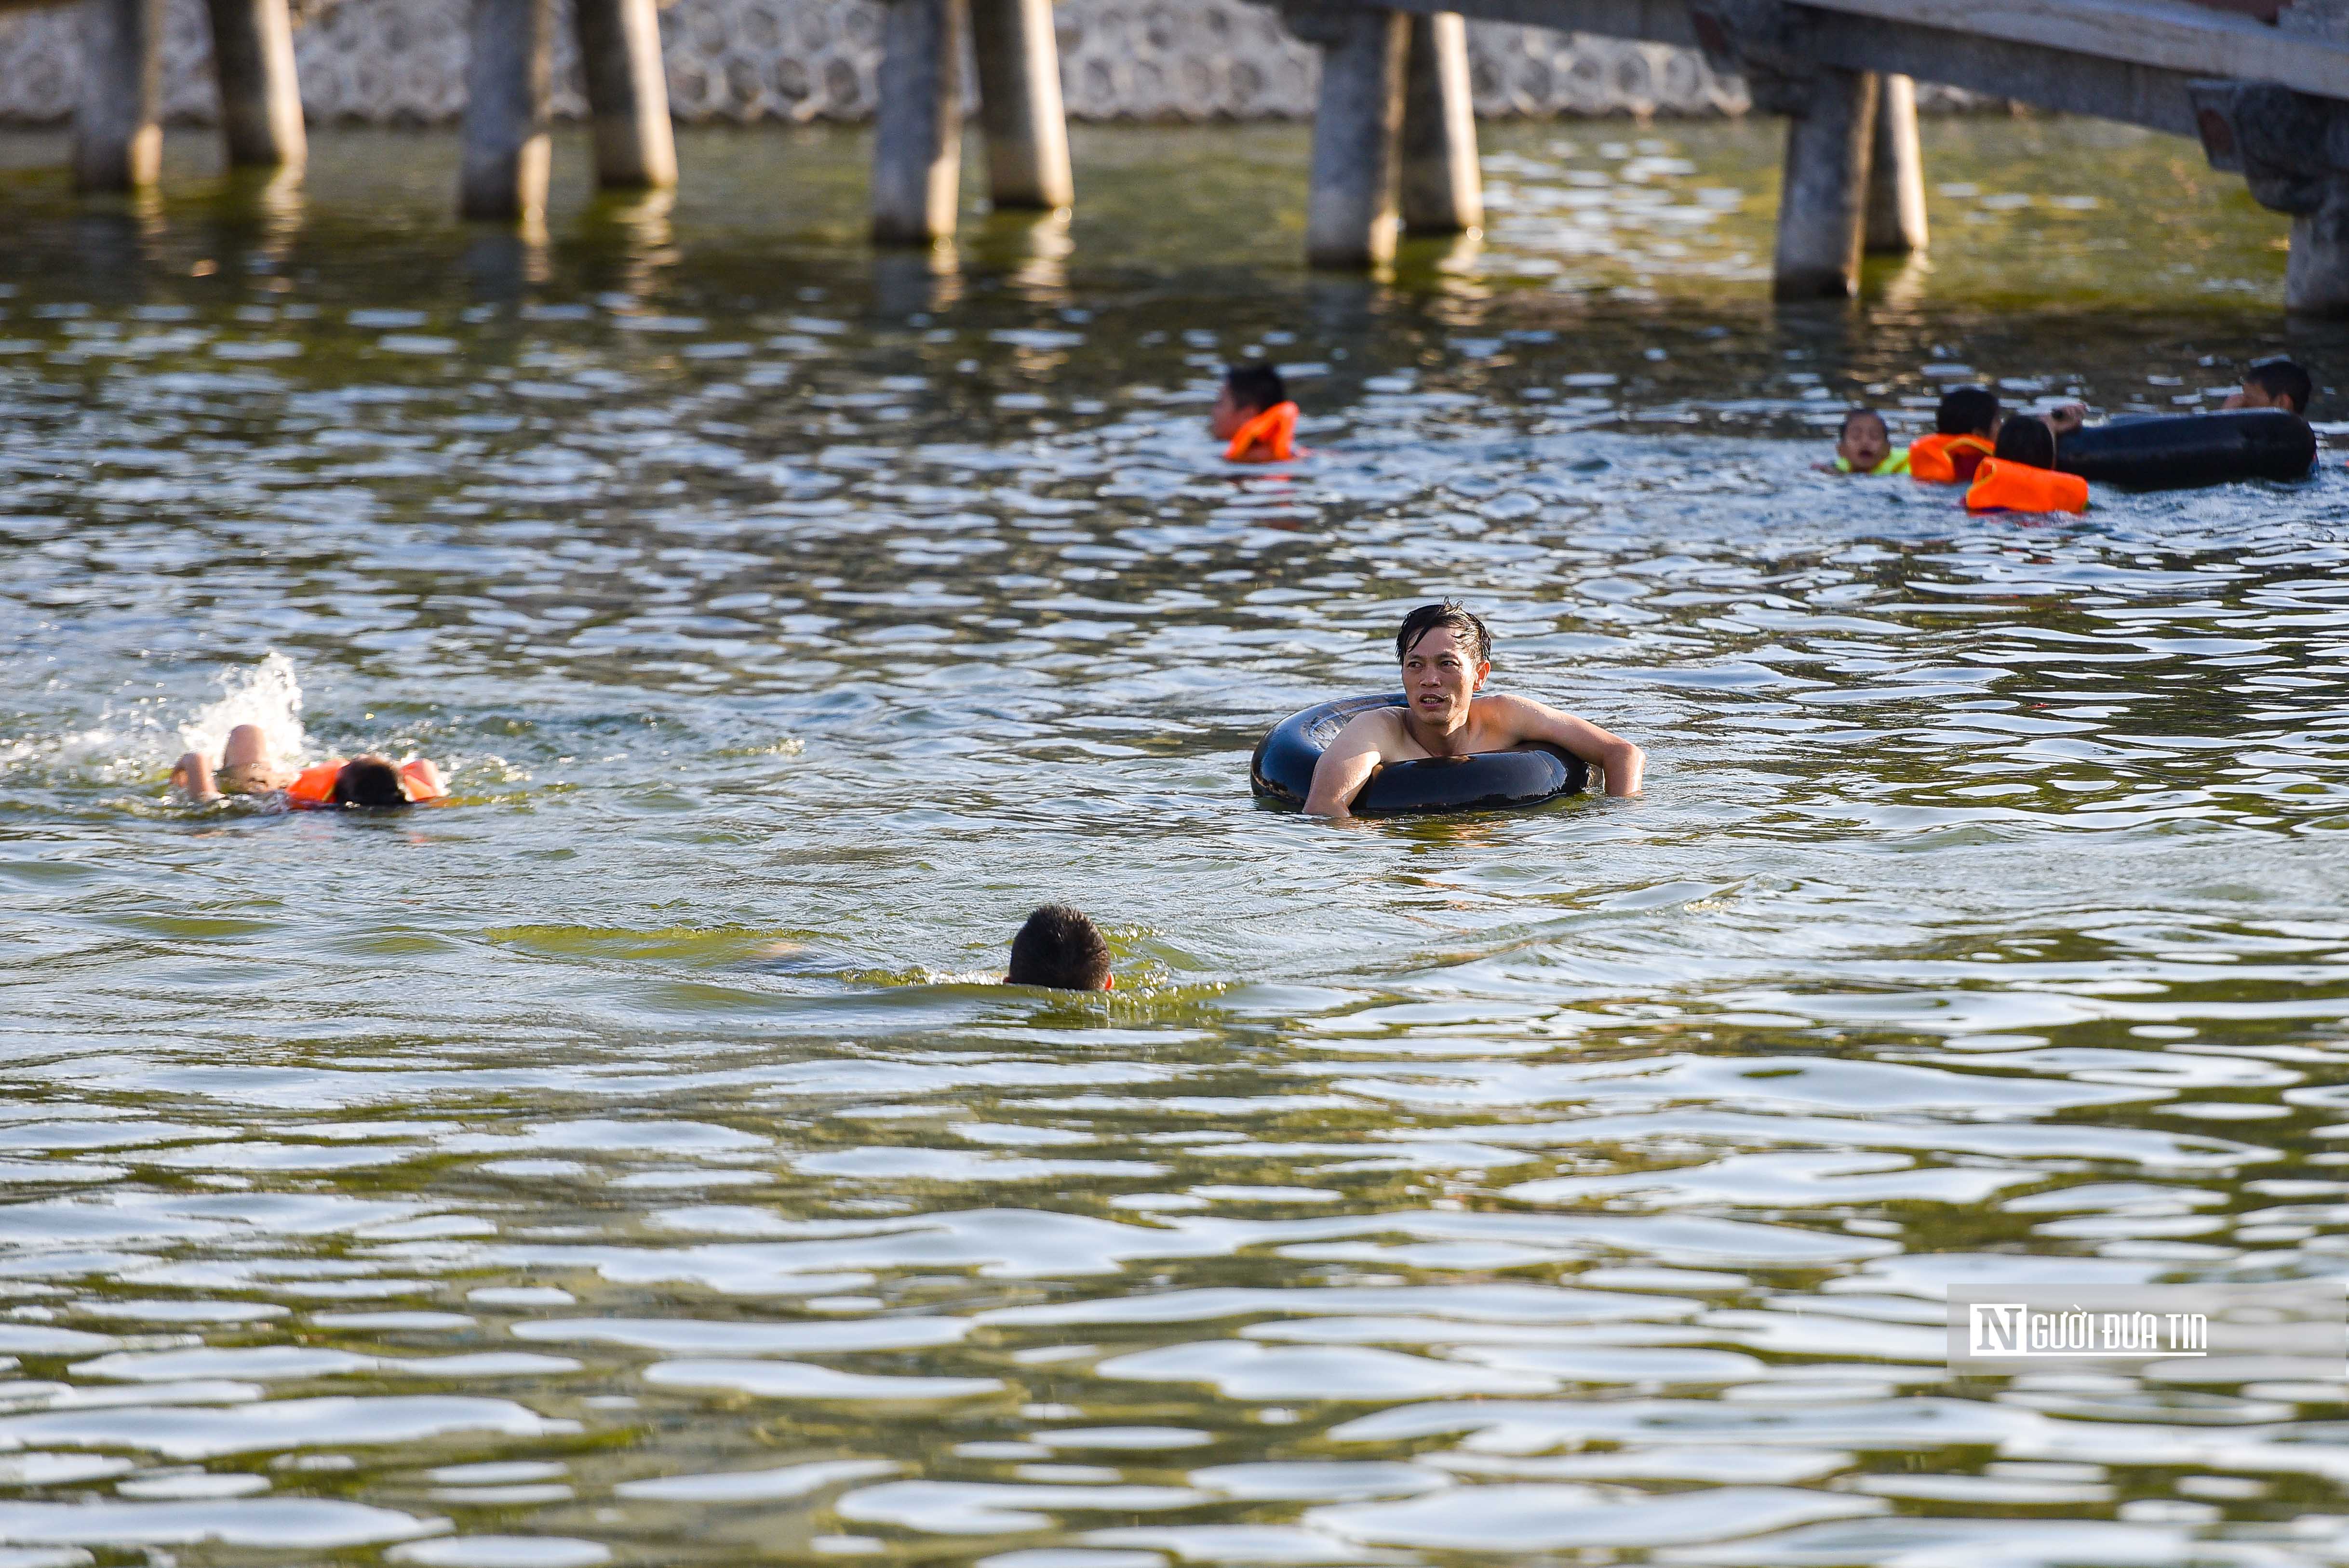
x: 2027, y: 441
x: 1864, y: 442
x: 1059, y: 948
x: 369, y: 781
x: 1967, y: 411
x: 2274, y: 384
x: 1247, y: 390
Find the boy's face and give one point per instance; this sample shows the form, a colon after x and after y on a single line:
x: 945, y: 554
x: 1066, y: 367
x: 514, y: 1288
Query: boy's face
x: 1865, y: 444
x: 2251, y: 395
x: 1225, y: 420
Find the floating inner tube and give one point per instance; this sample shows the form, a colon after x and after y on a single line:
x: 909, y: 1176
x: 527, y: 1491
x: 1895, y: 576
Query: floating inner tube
x: 1282, y: 769
x: 2182, y: 451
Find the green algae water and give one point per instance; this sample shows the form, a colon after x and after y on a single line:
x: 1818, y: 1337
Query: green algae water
x: 631, y: 1162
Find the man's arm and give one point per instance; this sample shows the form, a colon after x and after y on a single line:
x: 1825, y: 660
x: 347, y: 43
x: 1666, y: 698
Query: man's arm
x: 1623, y: 762
x: 1347, y: 766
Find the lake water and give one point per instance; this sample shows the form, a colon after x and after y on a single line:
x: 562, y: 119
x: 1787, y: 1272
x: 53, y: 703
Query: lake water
x: 631, y: 1161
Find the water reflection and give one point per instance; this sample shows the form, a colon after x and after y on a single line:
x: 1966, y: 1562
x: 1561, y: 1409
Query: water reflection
x: 631, y: 1162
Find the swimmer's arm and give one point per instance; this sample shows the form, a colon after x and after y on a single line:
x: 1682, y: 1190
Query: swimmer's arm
x: 1346, y: 767
x: 1623, y: 762
x: 193, y: 777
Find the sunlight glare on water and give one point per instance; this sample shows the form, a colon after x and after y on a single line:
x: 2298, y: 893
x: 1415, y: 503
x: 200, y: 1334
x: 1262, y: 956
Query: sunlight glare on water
x: 630, y: 1161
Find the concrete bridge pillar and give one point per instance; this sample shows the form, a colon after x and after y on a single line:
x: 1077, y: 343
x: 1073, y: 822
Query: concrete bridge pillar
x: 917, y: 123
x: 1823, y: 200
x: 1351, y: 212
x: 1019, y: 106
x: 627, y: 94
x: 508, y: 79
x: 1830, y: 141
x: 1896, y: 176
x: 1443, y: 190
x: 118, y: 136
x: 261, y: 97
x: 2293, y: 151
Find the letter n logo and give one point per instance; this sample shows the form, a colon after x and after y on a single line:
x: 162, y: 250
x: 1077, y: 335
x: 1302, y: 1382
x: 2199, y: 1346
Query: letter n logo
x: 1995, y: 1328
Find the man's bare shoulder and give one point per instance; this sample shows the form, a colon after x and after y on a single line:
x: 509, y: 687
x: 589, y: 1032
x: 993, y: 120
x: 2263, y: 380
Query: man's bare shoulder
x: 1373, y: 726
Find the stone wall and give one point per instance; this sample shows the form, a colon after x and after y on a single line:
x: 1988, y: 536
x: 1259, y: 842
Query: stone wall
x: 402, y: 61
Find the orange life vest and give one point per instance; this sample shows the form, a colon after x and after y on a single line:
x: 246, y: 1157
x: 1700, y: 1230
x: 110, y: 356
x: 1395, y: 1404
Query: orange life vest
x: 1273, y: 430
x: 314, y: 786
x: 1946, y: 459
x: 2002, y: 484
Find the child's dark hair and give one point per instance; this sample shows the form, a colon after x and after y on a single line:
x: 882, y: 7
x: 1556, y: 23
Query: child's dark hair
x: 1966, y: 411
x: 1428, y: 617
x: 1255, y: 387
x: 2281, y: 378
x: 1061, y: 948
x: 368, y: 781
x: 1843, y: 431
x: 2026, y: 440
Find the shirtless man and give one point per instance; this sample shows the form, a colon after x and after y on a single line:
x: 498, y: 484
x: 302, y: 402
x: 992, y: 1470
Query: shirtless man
x: 1446, y: 654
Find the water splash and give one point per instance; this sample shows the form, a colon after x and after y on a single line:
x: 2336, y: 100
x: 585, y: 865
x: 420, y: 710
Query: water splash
x: 268, y: 693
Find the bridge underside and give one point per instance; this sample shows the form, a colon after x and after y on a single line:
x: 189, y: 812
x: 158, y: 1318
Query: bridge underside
x: 2063, y: 80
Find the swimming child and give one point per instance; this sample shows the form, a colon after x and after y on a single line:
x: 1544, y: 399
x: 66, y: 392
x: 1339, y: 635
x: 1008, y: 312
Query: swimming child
x: 2020, y: 474
x: 1253, y: 415
x: 246, y: 768
x: 2274, y: 384
x: 1059, y: 948
x: 1864, y: 446
x: 1965, y: 428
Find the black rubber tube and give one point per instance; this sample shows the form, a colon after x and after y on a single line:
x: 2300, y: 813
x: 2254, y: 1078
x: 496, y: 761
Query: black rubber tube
x: 2186, y: 450
x: 1282, y: 769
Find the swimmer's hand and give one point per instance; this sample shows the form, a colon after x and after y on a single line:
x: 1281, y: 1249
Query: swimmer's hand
x: 2068, y: 419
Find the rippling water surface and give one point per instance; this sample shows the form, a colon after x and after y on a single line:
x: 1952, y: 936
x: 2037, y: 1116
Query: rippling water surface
x: 632, y: 1161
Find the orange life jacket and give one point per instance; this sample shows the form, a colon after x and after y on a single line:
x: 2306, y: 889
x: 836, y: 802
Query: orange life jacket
x: 2002, y: 484
x: 1273, y: 430
x: 314, y: 786
x: 1946, y: 459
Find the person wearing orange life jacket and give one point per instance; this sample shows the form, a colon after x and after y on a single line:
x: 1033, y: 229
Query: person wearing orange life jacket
x: 1253, y: 415
x: 2020, y: 474
x: 246, y: 768
x: 1965, y: 428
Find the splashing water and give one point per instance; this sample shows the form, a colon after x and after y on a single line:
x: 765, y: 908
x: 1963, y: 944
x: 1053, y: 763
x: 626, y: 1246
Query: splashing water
x: 268, y: 694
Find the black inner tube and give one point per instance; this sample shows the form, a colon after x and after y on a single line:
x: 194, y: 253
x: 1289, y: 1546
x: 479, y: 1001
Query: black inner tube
x: 2186, y: 450
x: 1282, y: 769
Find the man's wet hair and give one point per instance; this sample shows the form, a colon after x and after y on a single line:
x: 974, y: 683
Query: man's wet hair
x: 2281, y: 378
x: 1061, y: 948
x: 2026, y: 440
x: 1966, y: 411
x: 1256, y: 387
x: 368, y: 781
x: 1843, y: 431
x: 1429, y: 617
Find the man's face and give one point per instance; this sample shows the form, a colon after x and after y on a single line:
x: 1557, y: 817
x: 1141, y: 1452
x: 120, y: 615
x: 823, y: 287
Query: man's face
x: 1863, y: 445
x: 1224, y: 421
x: 1440, y: 674
x: 2251, y: 395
